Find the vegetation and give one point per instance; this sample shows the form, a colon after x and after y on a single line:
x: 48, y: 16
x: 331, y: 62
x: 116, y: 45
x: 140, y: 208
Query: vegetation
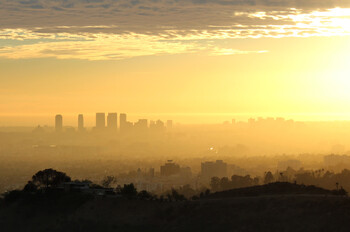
x: 47, y: 178
x: 108, y: 181
x: 278, y: 206
x: 236, y: 181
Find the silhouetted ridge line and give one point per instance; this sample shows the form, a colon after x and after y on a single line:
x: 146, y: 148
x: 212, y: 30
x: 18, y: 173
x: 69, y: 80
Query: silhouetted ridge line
x: 276, y: 188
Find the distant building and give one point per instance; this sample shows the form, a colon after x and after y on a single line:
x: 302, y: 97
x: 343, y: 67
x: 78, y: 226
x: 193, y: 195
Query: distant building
x: 125, y: 126
x: 160, y: 124
x: 100, y: 120
x: 151, y: 172
x: 169, y: 169
x: 251, y: 121
x: 280, y: 119
x: 185, y: 173
x: 112, y: 121
x: 211, y: 169
x: 123, y: 122
x: 80, y: 122
x: 283, y: 165
x: 169, y: 124
x: 58, y: 123
x: 226, y: 123
x: 336, y: 160
x: 157, y: 126
x: 141, y: 125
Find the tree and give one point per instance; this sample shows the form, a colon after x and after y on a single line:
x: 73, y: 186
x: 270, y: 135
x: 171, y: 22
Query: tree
x: 144, y: 195
x: 49, y: 178
x: 268, y: 178
x: 225, y: 183
x: 174, y: 195
x: 187, y: 191
x: 129, y: 190
x: 215, y: 183
x: 30, y: 187
x: 241, y: 181
x: 108, y: 181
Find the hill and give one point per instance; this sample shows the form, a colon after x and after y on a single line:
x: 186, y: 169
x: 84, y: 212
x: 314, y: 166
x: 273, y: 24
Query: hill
x: 276, y: 188
x: 267, y: 209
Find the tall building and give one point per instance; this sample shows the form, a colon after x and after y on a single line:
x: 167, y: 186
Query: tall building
x: 80, y: 122
x: 58, y: 123
x: 123, y: 122
x: 100, y: 120
x: 211, y: 169
x: 169, y: 124
x: 112, y: 121
x: 141, y: 125
x: 169, y: 169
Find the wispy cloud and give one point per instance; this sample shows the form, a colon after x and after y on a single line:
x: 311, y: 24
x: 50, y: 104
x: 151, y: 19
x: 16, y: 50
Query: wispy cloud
x: 119, y: 29
x: 216, y: 51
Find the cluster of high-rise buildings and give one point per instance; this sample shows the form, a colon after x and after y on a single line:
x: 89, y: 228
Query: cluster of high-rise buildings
x: 172, y: 175
x: 111, y: 123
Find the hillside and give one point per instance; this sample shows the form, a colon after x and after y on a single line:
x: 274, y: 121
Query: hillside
x: 276, y: 188
x: 299, y: 211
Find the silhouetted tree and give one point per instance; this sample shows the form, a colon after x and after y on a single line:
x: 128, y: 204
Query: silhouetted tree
x: 225, y: 184
x: 256, y: 181
x: 187, y: 191
x: 30, y: 187
x: 215, y: 183
x: 108, y: 181
x: 241, y: 181
x: 305, y: 178
x: 129, y: 190
x: 49, y: 178
x: 144, y: 195
x: 176, y: 196
x: 118, y: 189
x: 268, y: 178
x: 194, y: 198
x: 342, y: 192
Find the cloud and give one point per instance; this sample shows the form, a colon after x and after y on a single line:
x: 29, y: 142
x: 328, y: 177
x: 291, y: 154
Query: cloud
x: 102, y: 47
x: 119, y: 29
x: 217, y: 51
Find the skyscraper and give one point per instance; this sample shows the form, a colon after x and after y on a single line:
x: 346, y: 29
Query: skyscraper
x: 100, y: 120
x: 211, y: 169
x: 80, y: 122
x: 58, y: 123
x: 112, y: 121
x: 141, y: 125
x: 169, y: 124
x: 122, y: 121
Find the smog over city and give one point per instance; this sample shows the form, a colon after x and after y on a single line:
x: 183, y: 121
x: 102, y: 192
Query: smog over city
x: 174, y: 115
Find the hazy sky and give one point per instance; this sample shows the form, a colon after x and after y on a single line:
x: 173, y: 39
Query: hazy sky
x: 175, y: 57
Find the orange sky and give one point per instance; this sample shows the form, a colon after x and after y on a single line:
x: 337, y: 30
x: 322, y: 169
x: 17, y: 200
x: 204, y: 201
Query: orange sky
x: 296, y: 67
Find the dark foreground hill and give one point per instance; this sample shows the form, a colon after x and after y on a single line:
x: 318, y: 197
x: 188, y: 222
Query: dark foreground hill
x: 277, y: 188
x: 298, y: 211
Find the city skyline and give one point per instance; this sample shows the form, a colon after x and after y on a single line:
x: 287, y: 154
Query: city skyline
x: 174, y: 115
x: 110, y: 122
x: 210, y: 118
x: 164, y: 57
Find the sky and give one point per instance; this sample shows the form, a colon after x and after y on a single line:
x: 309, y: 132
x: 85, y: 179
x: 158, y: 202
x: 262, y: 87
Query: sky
x: 189, y: 60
